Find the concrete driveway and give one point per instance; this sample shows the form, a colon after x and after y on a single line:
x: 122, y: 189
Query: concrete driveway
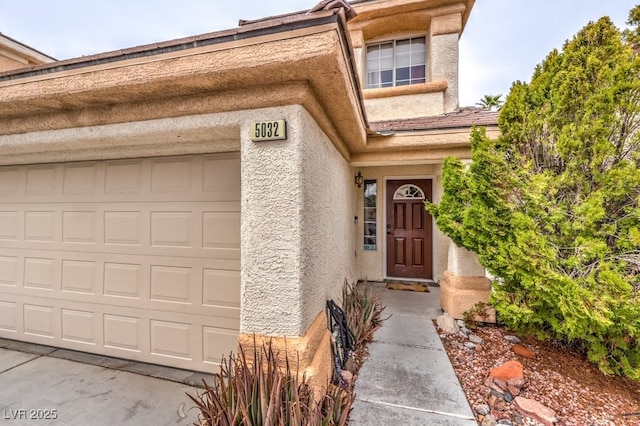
x: 42, y: 385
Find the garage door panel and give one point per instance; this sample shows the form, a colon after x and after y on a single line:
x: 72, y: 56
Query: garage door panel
x: 41, y: 226
x: 80, y: 179
x: 40, y: 320
x: 10, y: 182
x: 8, y: 271
x: 159, y: 283
x: 149, y: 335
x: 41, y: 274
x: 214, y: 178
x: 9, y: 317
x: 131, y: 258
x: 79, y: 326
x: 10, y: 222
x: 41, y: 181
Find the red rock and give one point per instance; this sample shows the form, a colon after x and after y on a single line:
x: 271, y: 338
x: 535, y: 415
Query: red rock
x: 522, y: 351
x: 537, y: 411
x: 502, y: 385
x: 491, y: 384
x: 493, y: 399
x: 517, y: 382
x: 513, y: 390
x: 515, y: 386
x: 508, y: 371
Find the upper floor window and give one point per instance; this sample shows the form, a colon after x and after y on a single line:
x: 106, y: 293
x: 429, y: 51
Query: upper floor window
x: 396, y: 63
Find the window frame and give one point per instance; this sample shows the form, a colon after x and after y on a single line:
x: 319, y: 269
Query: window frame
x: 394, y: 70
x: 369, y: 240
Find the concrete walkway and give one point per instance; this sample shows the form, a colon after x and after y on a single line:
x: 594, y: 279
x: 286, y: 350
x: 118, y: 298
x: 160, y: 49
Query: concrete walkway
x: 408, y: 378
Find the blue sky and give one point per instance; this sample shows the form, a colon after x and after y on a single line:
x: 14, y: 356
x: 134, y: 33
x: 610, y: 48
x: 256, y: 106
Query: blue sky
x: 503, y: 40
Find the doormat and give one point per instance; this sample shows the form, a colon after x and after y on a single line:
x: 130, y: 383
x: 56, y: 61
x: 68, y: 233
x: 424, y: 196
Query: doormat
x: 420, y: 287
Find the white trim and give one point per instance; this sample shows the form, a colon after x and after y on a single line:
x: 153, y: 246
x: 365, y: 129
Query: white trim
x: 434, y: 240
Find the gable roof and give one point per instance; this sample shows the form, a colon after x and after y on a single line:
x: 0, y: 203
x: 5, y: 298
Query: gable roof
x: 22, y: 53
x: 324, y: 12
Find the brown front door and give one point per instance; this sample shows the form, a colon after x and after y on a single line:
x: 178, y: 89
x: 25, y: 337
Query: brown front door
x: 409, y: 229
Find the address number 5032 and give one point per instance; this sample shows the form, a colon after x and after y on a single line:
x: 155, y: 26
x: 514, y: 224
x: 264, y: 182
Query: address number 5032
x: 269, y: 130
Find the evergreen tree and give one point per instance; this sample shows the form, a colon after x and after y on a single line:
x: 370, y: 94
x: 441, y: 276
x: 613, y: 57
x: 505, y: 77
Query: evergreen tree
x: 552, y: 207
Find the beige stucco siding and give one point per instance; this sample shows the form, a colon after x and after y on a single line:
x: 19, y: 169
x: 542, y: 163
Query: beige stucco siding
x: 407, y: 106
x: 296, y: 237
x: 444, y: 66
x: 328, y: 230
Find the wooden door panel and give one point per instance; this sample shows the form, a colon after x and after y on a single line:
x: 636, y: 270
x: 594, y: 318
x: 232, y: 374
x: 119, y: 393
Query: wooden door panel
x: 400, y: 251
x: 417, y: 216
x: 400, y: 216
x: 409, y: 231
x: 418, y: 252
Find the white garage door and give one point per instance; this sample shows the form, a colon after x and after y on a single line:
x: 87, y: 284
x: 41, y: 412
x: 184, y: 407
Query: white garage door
x: 137, y: 259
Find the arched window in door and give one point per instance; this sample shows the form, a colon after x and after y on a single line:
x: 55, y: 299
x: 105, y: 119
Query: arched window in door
x: 409, y: 192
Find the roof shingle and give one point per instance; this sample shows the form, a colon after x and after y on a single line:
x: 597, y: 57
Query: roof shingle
x: 466, y: 117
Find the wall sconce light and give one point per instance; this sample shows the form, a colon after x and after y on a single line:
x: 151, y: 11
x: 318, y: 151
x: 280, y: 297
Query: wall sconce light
x: 359, y: 180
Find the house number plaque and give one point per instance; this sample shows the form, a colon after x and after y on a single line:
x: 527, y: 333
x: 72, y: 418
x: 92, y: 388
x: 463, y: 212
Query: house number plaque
x: 269, y: 131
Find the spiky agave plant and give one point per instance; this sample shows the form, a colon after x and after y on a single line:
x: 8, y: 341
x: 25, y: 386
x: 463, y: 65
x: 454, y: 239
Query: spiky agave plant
x: 264, y: 392
x: 363, y: 309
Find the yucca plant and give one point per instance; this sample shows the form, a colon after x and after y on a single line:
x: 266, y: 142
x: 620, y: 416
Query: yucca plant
x: 262, y: 393
x: 363, y: 309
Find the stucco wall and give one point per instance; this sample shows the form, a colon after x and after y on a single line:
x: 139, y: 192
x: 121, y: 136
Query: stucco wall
x: 464, y: 263
x: 371, y: 263
x: 407, y: 106
x: 444, y: 66
x: 297, y: 225
x: 328, y: 231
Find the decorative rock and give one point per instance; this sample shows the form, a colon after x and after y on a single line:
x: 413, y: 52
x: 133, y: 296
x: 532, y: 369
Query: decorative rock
x: 512, y: 339
x: 482, y: 409
x: 514, y: 386
x: 505, y: 422
x: 488, y: 420
x: 447, y: 324
x: 517, y: 419
x: 491, y: 384
x: 502, y: 385
x: 522, y: 351
x: 469, y: 345
x: 465, y: 331
x: 537, y: 411
x: 458, y: 345
x: 514, y: 390
x: 508, y: 371
x: 461, y: 323
x: 517, y: 382
x: 492, y: 400
x: 473, y: 338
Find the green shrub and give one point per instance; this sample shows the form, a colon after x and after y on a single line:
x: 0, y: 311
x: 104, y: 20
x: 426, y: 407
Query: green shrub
x: 552, y: 207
